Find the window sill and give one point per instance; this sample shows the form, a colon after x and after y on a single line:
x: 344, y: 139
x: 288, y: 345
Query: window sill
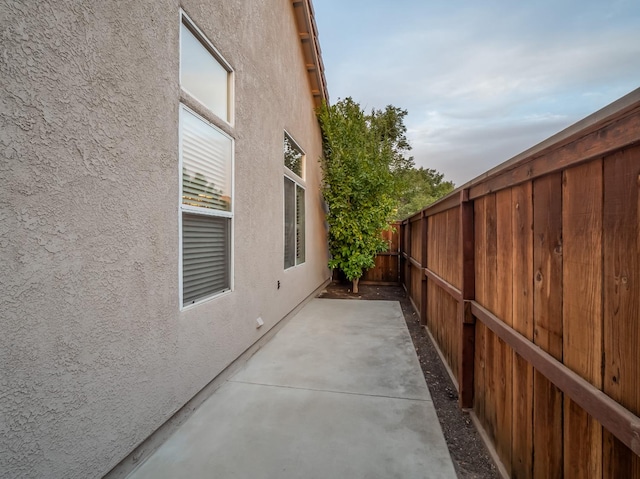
x: 206, y: 300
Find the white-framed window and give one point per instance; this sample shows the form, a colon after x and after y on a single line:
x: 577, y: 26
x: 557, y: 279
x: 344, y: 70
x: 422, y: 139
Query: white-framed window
x: 294, y: 203
x: 206, y: 208
x: 206, y: 171
x: 204, y: 73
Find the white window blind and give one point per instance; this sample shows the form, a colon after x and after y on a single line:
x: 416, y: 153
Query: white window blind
x: 206, y: 165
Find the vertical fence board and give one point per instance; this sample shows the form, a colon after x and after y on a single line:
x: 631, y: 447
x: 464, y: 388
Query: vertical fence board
x: 522, y: 384
x: 431, y: 259
x: 466, y: 344
x: 406, y: 232
x: 621, y: 300
x: 453, y: 247
x: 480, y: 260
x: 431, y: 311
x: 618, y: 460
x: 401, y: 248
x: 431, y: 247
x: 450, y: 244
x: 440, y: 234
x: 453, y: 268
x: 491, y: 339
x: 503, y: 355
x: 407, y: 263
x: 548, y: 458
x: 453, y: 330
x: 442, y: 242
x: 582, y: 311
x: 547, y: 318
x: 424, y: 225
x: 440, y: 332
x: 416, y: 253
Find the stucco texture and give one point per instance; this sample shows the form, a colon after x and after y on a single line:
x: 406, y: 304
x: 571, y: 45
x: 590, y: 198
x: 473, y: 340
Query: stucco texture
x: 95, y: 351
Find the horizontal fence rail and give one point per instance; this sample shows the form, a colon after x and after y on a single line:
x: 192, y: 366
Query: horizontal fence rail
x: 528, y: 280
x: 600, y: 406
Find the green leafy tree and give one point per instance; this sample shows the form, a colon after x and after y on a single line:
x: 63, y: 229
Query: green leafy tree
x: 363, y: 165
x: 420, y: 187
x: 389, y: 128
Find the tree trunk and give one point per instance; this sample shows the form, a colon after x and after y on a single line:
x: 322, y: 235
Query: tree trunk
x: 355, y: 285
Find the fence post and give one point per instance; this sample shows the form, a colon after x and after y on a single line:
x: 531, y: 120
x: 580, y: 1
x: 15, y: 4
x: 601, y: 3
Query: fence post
x: 467, y: 320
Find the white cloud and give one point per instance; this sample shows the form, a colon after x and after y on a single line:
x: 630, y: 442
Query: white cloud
x: 481, y: 81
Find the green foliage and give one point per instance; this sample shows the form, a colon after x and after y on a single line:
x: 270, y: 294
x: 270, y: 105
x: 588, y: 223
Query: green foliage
x: 363, y: 155
x: 420, y: 188
x: 368, y: 180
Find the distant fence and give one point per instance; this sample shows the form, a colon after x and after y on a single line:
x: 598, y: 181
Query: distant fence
x: 387, y: 268
x: 528, y: 279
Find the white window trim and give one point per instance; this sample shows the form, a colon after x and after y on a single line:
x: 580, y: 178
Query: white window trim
x: 295, y: 178
x: 299, y: 182
x: 186, y: 20
x: 204, y: 211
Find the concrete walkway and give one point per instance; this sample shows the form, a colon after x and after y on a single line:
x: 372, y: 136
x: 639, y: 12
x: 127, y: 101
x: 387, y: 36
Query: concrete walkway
x: 337, y: 393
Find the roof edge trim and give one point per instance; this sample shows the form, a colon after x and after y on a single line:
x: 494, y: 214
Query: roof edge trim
x: 308, y: 34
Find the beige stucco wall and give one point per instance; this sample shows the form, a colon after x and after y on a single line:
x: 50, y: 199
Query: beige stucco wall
x: 95, y: 353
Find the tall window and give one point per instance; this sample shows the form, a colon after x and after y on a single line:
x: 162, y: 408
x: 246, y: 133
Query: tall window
x: 206, y: 169
x: 294, y: 204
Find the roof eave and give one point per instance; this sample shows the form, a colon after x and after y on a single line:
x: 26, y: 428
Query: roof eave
x: 308, y: 34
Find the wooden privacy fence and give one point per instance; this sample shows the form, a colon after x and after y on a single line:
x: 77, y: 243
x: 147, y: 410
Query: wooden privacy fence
x: 387, y: 268
x: 528, y: 279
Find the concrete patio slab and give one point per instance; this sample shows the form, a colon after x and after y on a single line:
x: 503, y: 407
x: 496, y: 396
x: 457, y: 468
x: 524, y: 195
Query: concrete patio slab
x: 337, y: 393
x: 360, y: 347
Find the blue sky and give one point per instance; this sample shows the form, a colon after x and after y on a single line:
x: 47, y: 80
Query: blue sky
x: 482, y: 80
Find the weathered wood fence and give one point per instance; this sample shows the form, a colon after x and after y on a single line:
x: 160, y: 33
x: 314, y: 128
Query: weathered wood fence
x: 387, y: 268
x: 528, y: 279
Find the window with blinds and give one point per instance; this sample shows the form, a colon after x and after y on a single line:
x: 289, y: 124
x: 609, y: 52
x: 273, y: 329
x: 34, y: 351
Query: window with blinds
x: 206, y: 164
x: 289, y: 223
x: 206, y: 169
x: 299, y: 224
x: 205, y: 256
x: 206, y: 209
x: 294, y: 204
